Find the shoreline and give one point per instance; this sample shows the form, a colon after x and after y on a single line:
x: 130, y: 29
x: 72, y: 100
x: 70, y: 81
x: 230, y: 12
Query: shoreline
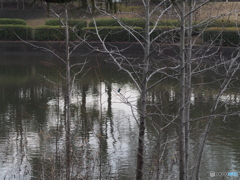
x: 7, y: 47
x: 130, y: 48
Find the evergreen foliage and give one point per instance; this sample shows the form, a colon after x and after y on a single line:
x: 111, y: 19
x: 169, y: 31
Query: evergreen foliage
x: 72, y: 22
x: 223, y: 23
x: 52, y: 33
x: 13, y: 32
x: 111, y: 34
x: 135, y: 22
x: 166, y: 34
x: 12, y: 21
x: 224, y: 36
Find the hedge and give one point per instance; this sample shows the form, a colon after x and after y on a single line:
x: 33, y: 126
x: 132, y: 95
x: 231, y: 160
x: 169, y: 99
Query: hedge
x: 12, y: 32
x: 215, y: 23
x: 166, y: 33
x: 134, y: 22
x: 52, y: 33
x: 114, y: 34
x: 224, y: 36
x: 12, y: 21
x: 223, y: 23
x: 72, y: 22
x: 109, y: 34
x: 169, y: 23
x: 104, y: 22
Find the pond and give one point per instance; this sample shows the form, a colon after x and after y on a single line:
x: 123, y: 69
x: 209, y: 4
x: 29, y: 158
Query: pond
x: 104, y: 127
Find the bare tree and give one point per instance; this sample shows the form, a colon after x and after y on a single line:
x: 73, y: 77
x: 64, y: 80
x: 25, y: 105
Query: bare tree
x: 188, y: 56
x: 143, y: 70
x: 70, y: 76
x: 148, y: 71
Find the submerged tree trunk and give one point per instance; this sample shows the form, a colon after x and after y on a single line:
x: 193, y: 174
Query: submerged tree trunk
x: 17, y: 1
x: 23, y: 4
x: 182, y: 107
x: 188, y: 79
x: 67, y: 98
x: 143, y: 99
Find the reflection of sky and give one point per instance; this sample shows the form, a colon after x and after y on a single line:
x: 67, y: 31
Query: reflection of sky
x: 229, y: 99
x: 219, y: 161
x: 15, y: 155
x: 119, y: 133
x: 119, y: 130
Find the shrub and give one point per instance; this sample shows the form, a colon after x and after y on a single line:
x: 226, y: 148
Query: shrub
x: 224, y: 36
x: 110, y: 34
x: 12, y: 21
x: 52, y: 33
x: 104, y: 22
x: 72, y: 22
x: 166, y: 33
x: 12, y: 32
x: 134, y: 22
x: 169, y: 23
x: 216, y: 23
x: 223, y: 23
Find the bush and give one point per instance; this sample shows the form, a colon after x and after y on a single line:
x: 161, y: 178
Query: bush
x: 216, y: 23
x: 166, y: 34
x: 12, y: 32
x: 12, y: 21
x: 104, y: 22
x: 72, y: 22
x: 223, y: 23
x: 223, y: 36
x: 110, y: 34
x: 169, y: 23
x: 52, y: 33
x: 134, y: 22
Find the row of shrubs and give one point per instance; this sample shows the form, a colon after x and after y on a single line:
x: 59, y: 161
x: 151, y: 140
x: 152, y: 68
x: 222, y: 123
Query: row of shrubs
x: 14, y: 32
x: 110, y: 34
x: 77, y: 23
x: 224, y: 36
x: 229, y: 36
x: 109, y: 29
x: 12, y: 21
x: 13, y: 29
x: 138, y: 22
x: 53, y: 31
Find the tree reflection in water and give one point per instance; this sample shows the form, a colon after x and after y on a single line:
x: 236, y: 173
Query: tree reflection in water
x: 103, y: 129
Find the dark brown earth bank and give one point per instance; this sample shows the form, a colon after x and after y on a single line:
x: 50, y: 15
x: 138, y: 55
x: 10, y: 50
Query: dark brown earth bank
x: 134, y: 49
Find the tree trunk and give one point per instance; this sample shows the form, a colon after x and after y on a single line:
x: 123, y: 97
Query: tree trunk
x: 1, y: 4
x: 188, y: 86
x: 67, y: 98
x: 141, y: 136
x: 182, y: 105
x: 17, y: 1
x: 143, y: 99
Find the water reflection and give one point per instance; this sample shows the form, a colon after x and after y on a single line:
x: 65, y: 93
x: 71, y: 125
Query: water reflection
x: 104, y: 126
